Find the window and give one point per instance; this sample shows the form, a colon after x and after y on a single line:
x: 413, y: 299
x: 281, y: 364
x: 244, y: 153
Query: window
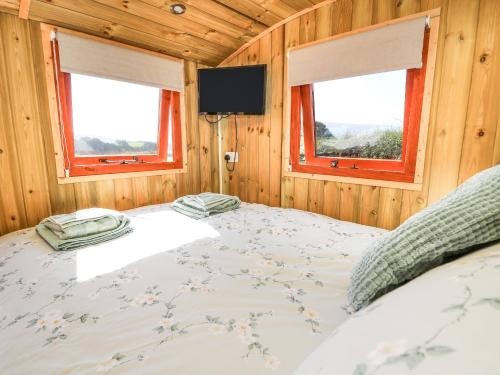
x: 362, y: 124
x: 113, y: 126
x: 113, y: 118
x: 343, y: 130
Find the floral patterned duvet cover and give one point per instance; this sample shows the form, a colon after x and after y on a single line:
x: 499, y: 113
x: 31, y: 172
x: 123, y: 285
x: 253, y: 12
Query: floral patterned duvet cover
x: 252, y: 291
x: 447, y: 321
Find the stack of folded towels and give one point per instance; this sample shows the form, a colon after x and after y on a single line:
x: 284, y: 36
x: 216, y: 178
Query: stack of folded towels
x: 83, y: 228
x: 205, y: 204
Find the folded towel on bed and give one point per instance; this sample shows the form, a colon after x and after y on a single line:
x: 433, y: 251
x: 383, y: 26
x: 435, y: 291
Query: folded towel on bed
x: 205, y: 204
x: 84, y: 222
x: 83, y: 228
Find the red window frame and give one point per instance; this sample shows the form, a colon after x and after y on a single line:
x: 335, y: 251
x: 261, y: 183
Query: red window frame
x: 109, y: 164
x: 302, y: 107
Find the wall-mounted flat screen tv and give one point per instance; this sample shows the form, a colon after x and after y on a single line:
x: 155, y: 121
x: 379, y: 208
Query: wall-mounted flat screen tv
x: 232, y: 90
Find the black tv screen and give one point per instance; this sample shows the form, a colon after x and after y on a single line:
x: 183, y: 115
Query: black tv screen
x: 232, y: 90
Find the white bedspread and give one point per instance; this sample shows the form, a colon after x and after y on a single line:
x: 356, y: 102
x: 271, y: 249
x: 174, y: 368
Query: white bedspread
x: 252, y: 291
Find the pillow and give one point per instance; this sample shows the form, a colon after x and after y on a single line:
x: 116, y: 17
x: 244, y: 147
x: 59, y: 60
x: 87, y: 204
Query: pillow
x: 446, y: 321
x: 466, y: 217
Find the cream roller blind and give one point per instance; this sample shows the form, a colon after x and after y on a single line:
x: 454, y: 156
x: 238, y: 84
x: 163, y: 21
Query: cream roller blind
x: 87, y: 56
x: 392, y: 47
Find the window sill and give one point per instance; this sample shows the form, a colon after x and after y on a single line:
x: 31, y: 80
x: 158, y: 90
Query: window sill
x: 355, y: 180
x: 113, y: 176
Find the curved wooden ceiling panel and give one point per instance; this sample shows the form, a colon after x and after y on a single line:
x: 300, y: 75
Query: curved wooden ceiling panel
x: 208, y: 32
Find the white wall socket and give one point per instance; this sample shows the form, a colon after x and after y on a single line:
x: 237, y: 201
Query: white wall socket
x: 233, y: 157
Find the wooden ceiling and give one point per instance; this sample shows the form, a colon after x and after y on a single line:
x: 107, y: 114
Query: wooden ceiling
x: 208, y: 32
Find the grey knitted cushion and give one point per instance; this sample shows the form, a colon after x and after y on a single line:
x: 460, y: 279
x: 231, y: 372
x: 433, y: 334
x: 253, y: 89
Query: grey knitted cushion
x: 465, y: 218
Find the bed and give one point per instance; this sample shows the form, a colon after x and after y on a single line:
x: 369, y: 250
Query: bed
x: 446, y: 321
x: 252, y: 291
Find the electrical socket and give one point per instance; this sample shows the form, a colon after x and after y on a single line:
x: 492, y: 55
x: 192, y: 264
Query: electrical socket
x: 233, y: 157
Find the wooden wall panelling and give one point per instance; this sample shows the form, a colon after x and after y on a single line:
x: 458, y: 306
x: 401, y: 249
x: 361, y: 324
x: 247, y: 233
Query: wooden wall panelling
x: 228, y: 137
x: 169, y: 187
x: 414, y: 201
x: 315, y: 196
x: 341, y: 16
x: 319, y: 25
x: 206, y: 131
x: 483, y: 109
x: 463, y: 101
x: 27, y: 133
x: 300, y: 193
x: 238, y: 178
x: 369, y: 205
x: 155, y: 189
x: 389, y: 207
x: 291, y: 39
x: 191, y: 181
x: 303, y: 198
x: 205, y: 157
x: 12, y: 208
x: 362, y: 12
x: 264, y: 124
x: 341, y: 21
x: 252, y: 154
x: 209, y: 147
x: 407, y: 7
x: 124, y: 198
x: 384, y: 10
x: 324, y: 21
x: 307, y: 27
x: 458, y: 55
x: 349, y: 202
x: 62, y: 197
x: 29, y: 189
x: 140, y: 189
x: 369, y: 199
x: 496, y: 152
x: 105, y: 194
x: 350, y: 194
x: 391, y: 200
x: 239, y: 182
x: 214, y: 158
x: 85, y: 195
x: 287, y: 191
x: 276, y: 120
x: 229, y: 179
x: 331, y: 199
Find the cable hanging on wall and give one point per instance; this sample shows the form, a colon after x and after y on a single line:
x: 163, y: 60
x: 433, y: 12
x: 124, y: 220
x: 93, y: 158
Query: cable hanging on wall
x: 223, y: 116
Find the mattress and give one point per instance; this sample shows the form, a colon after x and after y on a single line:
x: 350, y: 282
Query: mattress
x: 252, y: 291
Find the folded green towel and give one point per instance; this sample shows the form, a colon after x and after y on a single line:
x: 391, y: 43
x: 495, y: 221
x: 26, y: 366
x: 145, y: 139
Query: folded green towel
x: 83, y: 228
x: 83, y: 223
x: 73, y: 243
x: 205, y: 204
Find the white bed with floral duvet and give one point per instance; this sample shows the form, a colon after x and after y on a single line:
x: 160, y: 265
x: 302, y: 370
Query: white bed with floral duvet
x: 252, y: 291
x: 446, y: 321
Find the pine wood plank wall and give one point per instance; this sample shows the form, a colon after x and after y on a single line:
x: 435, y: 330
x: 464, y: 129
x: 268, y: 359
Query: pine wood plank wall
x: 464, y: 134
x: 28, y: 187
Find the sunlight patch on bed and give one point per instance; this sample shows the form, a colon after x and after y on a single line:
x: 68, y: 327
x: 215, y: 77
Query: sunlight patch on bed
x: 154, y: 233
